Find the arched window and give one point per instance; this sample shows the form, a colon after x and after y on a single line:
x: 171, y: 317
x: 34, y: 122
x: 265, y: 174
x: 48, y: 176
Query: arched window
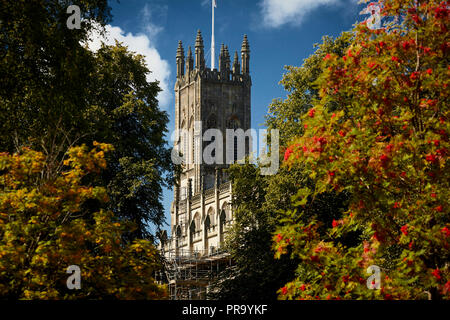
x: 184, y: 141
x: 211, y: 216
x: 233, y: 123
x: 227, y: 211
x: 207, y: 223
x: 191, y: 141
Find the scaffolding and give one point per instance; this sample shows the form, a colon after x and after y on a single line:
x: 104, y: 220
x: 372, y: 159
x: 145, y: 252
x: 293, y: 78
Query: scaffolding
x: 189, y: 273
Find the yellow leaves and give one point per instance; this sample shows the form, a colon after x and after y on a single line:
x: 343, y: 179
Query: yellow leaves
x: 116, y: 268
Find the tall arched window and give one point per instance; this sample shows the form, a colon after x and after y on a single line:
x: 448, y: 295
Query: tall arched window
x: 191, y: 141
x: 233, y: 123
x: 184, y: 141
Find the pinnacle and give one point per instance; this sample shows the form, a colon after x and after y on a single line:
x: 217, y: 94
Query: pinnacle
x: 180, y: 50
x: 199, y: 40
x: 245, y: 45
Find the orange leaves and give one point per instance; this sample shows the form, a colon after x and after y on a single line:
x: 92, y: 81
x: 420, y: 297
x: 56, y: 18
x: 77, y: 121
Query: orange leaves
x: 46, y: 222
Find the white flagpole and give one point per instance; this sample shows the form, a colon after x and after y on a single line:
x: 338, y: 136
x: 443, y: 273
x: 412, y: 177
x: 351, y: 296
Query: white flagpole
x: 213, y: 46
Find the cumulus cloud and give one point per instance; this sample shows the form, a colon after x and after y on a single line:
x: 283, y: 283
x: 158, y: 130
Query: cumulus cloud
x: 141, y: 44
x: 276, y: 13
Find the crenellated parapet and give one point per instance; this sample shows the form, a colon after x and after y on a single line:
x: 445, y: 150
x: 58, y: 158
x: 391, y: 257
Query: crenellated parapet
x: 227, y: 72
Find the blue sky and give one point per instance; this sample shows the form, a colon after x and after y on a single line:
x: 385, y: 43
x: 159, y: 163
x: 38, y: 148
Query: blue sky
x: 280, y: 32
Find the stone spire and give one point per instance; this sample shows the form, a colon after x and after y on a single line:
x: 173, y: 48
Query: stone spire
x: 245, y: 53
x: 190, y: 61
x: 199, y: 52
x: 236, y: 65
x: 222, y: 58
x: 180, y: 60
x: 227, y: 59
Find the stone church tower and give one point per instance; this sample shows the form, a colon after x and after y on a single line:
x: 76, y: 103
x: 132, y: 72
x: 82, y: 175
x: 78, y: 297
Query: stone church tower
x: 204, y: 98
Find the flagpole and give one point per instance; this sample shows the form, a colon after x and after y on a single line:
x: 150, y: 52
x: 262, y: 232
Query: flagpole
x: 213, y: 45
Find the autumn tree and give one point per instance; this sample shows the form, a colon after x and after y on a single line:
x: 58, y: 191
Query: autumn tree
x: 46, y: 225
x: 389, y: 149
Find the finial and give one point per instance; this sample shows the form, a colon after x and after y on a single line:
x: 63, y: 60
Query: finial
x: 245, y: 45
x: 180, y: 50
x: 199, y: 40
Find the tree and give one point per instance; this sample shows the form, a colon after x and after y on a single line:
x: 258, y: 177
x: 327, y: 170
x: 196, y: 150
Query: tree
x: 46, y: 226
x: 255, y: 273
x: 124, y: 112
x: 388, y: 148
x: 56, y: 93
x: 43, y: 67
x: 258, y: 201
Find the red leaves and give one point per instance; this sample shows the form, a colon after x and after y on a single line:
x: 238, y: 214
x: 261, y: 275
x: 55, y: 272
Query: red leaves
x: 389, y: 148
x: 320, y: 140
x: 311, y: 113
x: 395, y: 59
x: 288, y: 153
x: 278, y: 237
x: 431, y: 158
x: 404, y: 229
x: 416, y: 18
x: 342, y: 133
x: 284, y: 291
x: 441, y: 12
x: 414, y: 75
x: 439, y: 208
x: 446, y: 232
x: 384, y: 160
x: 436, y: 273
x: 406, y: 45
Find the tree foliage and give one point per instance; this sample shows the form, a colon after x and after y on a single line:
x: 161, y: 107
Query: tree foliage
x: 255, y: 274
x: 46, y: 226
x: 388, y: 149
x: 56, y: 93
x: 259, y: 201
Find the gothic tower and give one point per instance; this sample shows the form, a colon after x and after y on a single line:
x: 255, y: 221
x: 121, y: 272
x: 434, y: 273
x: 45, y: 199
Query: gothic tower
x: 204, y: 99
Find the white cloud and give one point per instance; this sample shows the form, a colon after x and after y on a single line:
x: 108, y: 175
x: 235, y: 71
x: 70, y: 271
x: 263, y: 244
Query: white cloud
x: 279, y: 12
x: 141, y: 44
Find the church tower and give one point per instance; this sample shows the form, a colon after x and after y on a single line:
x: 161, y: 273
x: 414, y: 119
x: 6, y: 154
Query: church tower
x: 205, y: 99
